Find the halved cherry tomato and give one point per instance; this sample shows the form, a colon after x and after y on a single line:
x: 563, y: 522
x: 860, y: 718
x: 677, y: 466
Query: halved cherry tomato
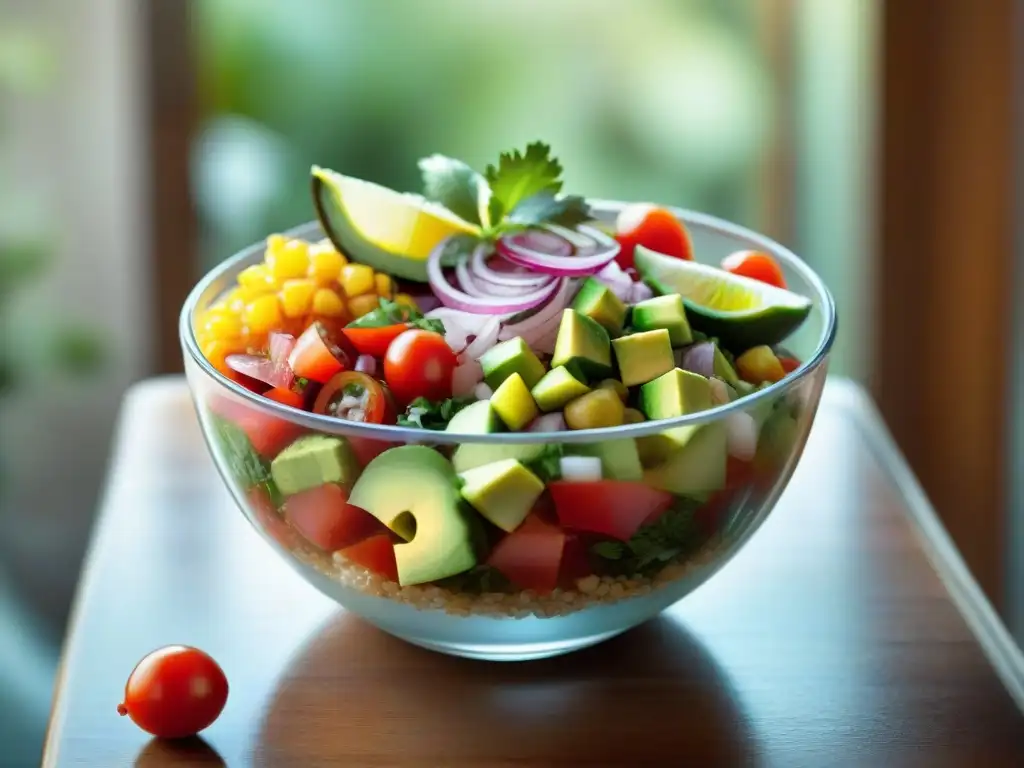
x: 614, y: 508
x: 789, y: 364
x: 652, y: 227
x: 374, y: 341
x: 325, y: 518
x: 267, y: 433
x: 320, y: 353
x: 355, y: 396
x: 376, y: 554
x: 756, y: 265
x: 531, y: 556
x: 419, y: 364
x: 285, y: 396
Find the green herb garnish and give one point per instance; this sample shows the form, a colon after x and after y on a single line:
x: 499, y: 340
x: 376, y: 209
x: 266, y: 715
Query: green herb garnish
x: 477, y: 580
x: 548, y: 465
x: 390, y: 312
x: 653, y: 545
x: 424, y: 414
x: 353, y: 390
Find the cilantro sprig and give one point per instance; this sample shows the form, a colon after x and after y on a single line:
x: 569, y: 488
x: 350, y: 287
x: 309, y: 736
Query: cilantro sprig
x: 390, y: 312
x: 672, y: 534
x: 426, y: 414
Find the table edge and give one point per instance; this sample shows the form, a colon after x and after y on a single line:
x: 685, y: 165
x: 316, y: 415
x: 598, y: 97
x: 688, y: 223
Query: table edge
x: 982, y: 619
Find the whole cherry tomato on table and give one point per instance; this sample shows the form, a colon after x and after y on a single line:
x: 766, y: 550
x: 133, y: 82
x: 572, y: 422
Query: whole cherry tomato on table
x: 652, y: 227
x: 175, y: 691
x: 419, y: 364
x: 756, y: 265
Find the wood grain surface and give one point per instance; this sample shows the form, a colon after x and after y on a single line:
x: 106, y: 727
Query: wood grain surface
x: 846, y: 633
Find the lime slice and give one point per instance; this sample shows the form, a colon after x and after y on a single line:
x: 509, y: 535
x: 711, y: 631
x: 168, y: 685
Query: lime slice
x: 391, y: 231
x: 740, y: 312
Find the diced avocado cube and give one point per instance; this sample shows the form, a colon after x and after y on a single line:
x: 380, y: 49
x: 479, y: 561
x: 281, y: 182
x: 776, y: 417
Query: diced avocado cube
x: 472, y: 455
x: 698, y: 467
x: 478, y: 418
x: 596, y: 301
x: 508, y: 357
x: 654, y: 449
x: 675, y: 393
x: 723, y: 369
x: 665, y: 312
x: 583, y: 347
x: 557, y: 388
x: 513, y: 403
x: 313, y: 460
x: 643, y: 357
x: 504, y: 492
x: 620, y: 459
x: 412, y: 490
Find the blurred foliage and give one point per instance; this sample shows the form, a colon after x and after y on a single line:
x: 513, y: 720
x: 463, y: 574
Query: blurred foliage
x: 662, y: 100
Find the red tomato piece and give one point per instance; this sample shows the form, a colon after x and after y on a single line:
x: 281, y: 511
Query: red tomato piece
x: 174, y: 692
x: 286, y: 397
x: 575, y: 560
x: 789, y: 364
x: 366, y: 449
x: 269, y: 519
x: 756, y: 265
x: 320, y: 353
x: 652, y: 227
x: 531, y: 556
x: 375, y: 554
x: 268, y: 433
x: 325, y: 518
x: 374, y: 341
x: 613, y: 508
x: 419, y: 364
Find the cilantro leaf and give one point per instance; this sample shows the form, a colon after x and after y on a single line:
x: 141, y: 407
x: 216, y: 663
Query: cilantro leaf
x: 477, y: 580
x: 390, y: 312
x: 454, y: 185
x: 544, y: 207
x: 519, y: 176
x: 653, y: 545
x: 458, y: 247
x: 424, y: 414
x: 244, y: 464
x: 548, y: 465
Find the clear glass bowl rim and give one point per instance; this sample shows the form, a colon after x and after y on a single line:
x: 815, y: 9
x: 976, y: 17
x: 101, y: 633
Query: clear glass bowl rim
x: 396, y: 434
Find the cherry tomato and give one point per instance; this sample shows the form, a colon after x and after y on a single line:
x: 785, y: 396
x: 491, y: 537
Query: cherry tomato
x: 175, y: 691
x: 652, y: 227
x: 789, y: 364
x: 368, y: 400
x: 756, y: 265
x: 320, y: 353
x: 374, y: 341
x: 419, y: 364
x: 286, y: 396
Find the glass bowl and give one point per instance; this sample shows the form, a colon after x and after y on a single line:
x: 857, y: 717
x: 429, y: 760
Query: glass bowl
x: 480, y: 620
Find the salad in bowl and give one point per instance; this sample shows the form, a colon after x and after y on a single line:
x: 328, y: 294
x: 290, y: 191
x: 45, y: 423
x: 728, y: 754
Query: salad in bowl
x: 498, y: 420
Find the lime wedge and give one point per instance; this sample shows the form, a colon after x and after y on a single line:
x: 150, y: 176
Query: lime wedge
x: 391, y: 231
x: 740, y: 312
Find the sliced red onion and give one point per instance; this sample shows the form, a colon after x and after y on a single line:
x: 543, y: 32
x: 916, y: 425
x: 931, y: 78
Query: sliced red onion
x: 700, y: 358
x: 478, y: 268
x: 479, y: 286
x: 584, y: 469
x: 486, y: 338
x: 465, y: 280
x: 366, y: 364
x: 549, y: 422
x: 517, y: 249
x: 254, y: 366
x: 281, y: 346
x: 741, y: 435
x: 482, y: 392
x: 451, y: 296
x: 539, y: 320
x: 465, y: 378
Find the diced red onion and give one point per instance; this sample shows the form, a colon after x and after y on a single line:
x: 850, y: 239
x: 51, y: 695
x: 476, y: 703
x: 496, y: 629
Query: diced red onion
x: 366, y: 364
x: 486, y: 338
x: 478, y: 268
x: 482, y: 392
x: 465, y: 378
x: 741, y: 435
x: 639, y: 292
x: 617, y: 281
x: 281, y: 346
x: 700, y: 358
x: 549, y: 422
x: 584, y: 469
x: 451, y: 296
x: 518, y: 249
x: 254, y: 366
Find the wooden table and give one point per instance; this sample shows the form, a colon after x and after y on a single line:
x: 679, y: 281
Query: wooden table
x: 846, y: 633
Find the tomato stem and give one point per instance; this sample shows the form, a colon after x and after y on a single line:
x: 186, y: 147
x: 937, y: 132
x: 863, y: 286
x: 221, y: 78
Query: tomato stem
x: 122, y: 710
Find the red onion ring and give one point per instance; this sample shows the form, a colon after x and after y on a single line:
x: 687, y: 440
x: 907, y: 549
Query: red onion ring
x: 479, y: 269
x: 515, y: 250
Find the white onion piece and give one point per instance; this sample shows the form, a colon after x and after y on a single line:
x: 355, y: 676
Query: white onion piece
x: 640, y: 292
x: 465, y: 378
x: 719, y: 391
x: 553, y: 309
x: 478, y: 267
x: 741, y: 435
x: 582, y: 469
x: 617, y: 281
x: 516, y: 248
x: 486, y: 338
x: 549, y: 422
x: 459, y: 326
x: 482, y: 392
x: 366, y: 364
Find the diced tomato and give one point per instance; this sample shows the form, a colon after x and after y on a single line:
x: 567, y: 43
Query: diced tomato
x: 366, y: 449
x: 738, y: 473
x: 268, y: 434
x: 789, y: 364
x: 575, y: 560
x: 652, y: 227
x: 376, y: 554
x: 269, y: 519
x: 374, y: 341
x: 614, y: 508
x: 325, y: 518
x: 531, y: 556
x: 756, y: 265
x: 320, y: 353
x: 286, y: 397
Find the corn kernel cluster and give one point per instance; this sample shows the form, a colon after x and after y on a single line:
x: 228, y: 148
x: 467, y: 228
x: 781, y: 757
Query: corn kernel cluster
x: 298, y: 283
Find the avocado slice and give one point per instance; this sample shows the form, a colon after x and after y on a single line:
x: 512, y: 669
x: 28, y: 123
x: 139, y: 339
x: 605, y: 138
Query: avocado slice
x: 666, y: 312
x: 503, y: 491
x: 698, y: 467
x: 478, y: 418
x: 644, y: 356
x: 557, y: 388
x: 412, y: 490
x: 313, y: 460
x: 620, y: 459
x: 513, y: 403
x: 582, y: 346
x: 596, y: 301
x: 508, y: 357
x: 675, y: 393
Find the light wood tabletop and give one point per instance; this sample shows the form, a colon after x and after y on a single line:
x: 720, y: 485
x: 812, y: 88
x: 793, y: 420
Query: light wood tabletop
x: 846, y: 633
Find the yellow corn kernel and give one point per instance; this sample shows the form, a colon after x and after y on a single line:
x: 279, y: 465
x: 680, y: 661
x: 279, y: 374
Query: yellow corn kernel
x: 215, y: 351
x: 325, y: 265
x: 275, y: 243
x: 256, y: 276
x: 356, y: 279
x: 289, y: 261
x: 327, y: 303
x: 405, y: 298
x: 222, y: 325
x: 360, y: 305
x: 263, y: 314
x: 384, y: 285
x: 297, y: 297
